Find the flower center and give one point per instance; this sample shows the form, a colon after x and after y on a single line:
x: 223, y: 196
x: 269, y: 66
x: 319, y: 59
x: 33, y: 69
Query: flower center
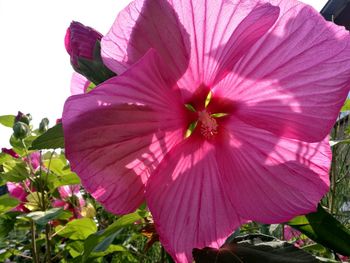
x: 209, y: 123
x: 209, y: 126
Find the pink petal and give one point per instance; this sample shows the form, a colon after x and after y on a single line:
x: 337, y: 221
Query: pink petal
x: 295, y: 79
x: 187, y: 199
x: 117, y: 134
x: 35, y: 160
x: 78, y: 84
x: 276, y: 178
x: 185, y: 33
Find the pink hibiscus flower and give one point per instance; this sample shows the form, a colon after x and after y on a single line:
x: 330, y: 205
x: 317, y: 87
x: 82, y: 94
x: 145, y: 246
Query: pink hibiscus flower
x: 18, y: 191
x: 71, y: 199
x: 219, y: 115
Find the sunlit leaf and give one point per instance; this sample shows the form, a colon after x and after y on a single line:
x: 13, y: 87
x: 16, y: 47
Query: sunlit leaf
x: 7, y: 120
x: 7, y: 203
x: 346, y: 106
x: 78, y: 229
x: 323, y: 228
x: 15, y: 171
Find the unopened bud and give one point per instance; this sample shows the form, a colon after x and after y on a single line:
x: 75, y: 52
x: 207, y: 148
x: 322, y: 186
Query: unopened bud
x: 20, y: 130
x: 83, y: 45
x: 44, y: 125
x: 25, y: 118
x: 88, y: 211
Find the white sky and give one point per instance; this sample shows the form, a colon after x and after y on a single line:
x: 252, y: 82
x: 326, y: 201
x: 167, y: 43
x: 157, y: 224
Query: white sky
x: 34, y: 67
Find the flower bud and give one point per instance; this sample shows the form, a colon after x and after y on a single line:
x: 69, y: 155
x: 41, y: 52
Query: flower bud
x: 83, y: 45
x: 10, y: 152
x: 88, y: 211
x: 44, y: 125
x: 20, y: 130
x: 25, y: 118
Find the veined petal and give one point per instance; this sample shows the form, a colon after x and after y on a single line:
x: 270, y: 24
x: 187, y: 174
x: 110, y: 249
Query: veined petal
x: 187, y: 199
x: 276, y: 178
x: 116, y: 135
x: 200, y: 40
x: 78, y: 84
x: 295, y: 79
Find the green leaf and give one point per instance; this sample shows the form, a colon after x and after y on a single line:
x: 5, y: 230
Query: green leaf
x: 78, y: 229
x: 61, y: 173
x: 7, y: 203
x: 43, y: 217
x: 109, y: 250
x: 7, y: 120
x: 324, y: 229
x: 346, y: 106
x: 14, y: 171
x: 7, y: 223
x: 51, y: 139
x: 254, y: 248
x: 101, y: 240
x: 75, y: 248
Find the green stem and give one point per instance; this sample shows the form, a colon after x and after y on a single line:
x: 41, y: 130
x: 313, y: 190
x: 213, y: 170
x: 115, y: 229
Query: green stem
x: 333, y: 181
x: 34, y: 251
x: 48, y: 243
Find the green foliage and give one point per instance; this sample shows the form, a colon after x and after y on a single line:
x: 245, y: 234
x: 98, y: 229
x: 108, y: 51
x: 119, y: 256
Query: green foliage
x: 346, y: 106
x: 7, y: 203
x: 51, y: 139
x: 78, y: 229
x: 100, y: 241
x: 323, y: 228
x: 14, y: 171
x: 254, y: 248
x: 44, y: 217
x: 7, y: 120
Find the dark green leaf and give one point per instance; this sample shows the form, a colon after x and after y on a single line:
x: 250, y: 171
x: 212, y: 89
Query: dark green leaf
x: 323, y: 228
x: 51, y: 139
x: 7, y: 203
x: 101, y: 240
x: 43, y: 217
x: 7, y: 120
x: 78, y: 229
x: 7, y: 223
x: 254, y: 248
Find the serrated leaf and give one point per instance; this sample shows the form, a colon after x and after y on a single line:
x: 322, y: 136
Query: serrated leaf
x: 7, y: 203
x: 43, y: 217
x: 51, y: 139
x: 101, y: 240
x: 78, y: 229
x: 254, y: 248
x: 7, y: 120
x: 324, y: 229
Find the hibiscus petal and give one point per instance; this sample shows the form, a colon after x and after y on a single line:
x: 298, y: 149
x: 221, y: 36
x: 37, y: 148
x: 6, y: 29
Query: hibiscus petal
x: 294, y: 80
x: 187, y: 199
x: 200, y: 41
x: 117, y: 134
x: 277, y: 178
x: 78, y: 84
